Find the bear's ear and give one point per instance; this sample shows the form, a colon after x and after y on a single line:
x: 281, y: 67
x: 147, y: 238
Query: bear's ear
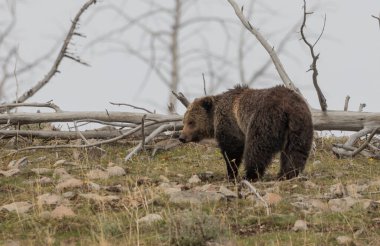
x: 207, y: 103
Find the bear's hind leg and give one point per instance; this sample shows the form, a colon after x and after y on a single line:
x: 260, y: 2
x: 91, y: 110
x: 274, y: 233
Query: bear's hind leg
x: 256, y: 162
x: 295, y: 154
x: 263, y: 140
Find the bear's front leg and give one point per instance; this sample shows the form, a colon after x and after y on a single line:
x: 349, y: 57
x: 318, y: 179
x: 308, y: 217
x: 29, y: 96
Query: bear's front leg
x: 232, y: 150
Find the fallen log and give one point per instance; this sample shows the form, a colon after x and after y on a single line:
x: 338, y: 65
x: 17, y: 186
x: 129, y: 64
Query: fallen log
x: 329, y: 120
x: 107, y: 116
x: 88, y: 134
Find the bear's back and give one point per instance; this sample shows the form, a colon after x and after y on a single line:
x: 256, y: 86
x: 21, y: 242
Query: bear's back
x: 243, y: 104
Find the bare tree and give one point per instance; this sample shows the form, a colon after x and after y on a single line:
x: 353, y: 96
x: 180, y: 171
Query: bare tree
x: 176, y: 50
x: 11, y: 63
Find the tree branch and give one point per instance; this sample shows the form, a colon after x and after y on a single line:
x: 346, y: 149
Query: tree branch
x: 313, y: 66
x: 257, y: 194
x: 61, y: 55
x: 139, y: 147
x: 46, y: 105
x: 185, y: 102
x: 130, y: 105
x: 276, y: 60
x: 348, y: 150
x: 377, y: 18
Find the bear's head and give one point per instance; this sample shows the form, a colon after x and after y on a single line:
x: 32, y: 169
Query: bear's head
x: 198, y: 121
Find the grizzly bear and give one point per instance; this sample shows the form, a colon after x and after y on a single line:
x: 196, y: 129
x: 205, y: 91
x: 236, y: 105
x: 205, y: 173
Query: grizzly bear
x: 253, y: 124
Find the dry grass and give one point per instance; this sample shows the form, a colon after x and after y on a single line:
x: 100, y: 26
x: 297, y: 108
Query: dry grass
x: 238, y: 221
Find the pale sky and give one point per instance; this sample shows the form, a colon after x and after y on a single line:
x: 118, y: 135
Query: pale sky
x: 349, y: 53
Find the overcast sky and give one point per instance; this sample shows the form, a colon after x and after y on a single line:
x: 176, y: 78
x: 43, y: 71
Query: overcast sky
x: 349, y: 61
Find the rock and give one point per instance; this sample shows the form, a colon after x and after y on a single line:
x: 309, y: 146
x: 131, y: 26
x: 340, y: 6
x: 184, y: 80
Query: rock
x: 375, y: 184
x: 40, y: 171
x: 311, y: 205
x: 45, y: 215
x: 64, y: 163
x: 344, y: 240
x: 368, y: 204
x: 41, y: 158
x: 97, y: 174
x: 62, y: 174
x: 358, y: 233
x: 180, y: 175
x: 376, y: 220
x: 206, y: 187
x: 39, y: 181
x: 144, y: 181
x: 164, y: 179
x: 59, y: 172
x: 223, y: 243
x: 194, y: 179
x: 116, y: 171
x: 227, y: 193
x: 69, y: 195
x: 337, y: 191
x: 169, y: 189
x: 206, y: 176
x: 98, y: 198
x: 272, y: 198
x: 61, y: 212
x: 11, y: 243
x: 20, y: 163
x: 318, y: 205
x: 316, y: 162
x: 354, y: 190
x: 309, y: 185
x: 69, y: 183
x: 59, y: 163
x: 274, y: 189
x: 195, y: 197
x: 115, y: 188
x: 93, y: 186
x: 44, y: 181
x: 342, y: 204
x: 49, y: 199
x: 18, y: 207
x: 300, y: 225
x: 150, y: 218
x: 10, y: 172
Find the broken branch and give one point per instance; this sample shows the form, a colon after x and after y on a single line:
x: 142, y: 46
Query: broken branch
x: 130, y: 105
x: 42, y: 105
x: 185, y: 102
x: 148, y: 139
x: 346, y: 101
x: 257, y: 194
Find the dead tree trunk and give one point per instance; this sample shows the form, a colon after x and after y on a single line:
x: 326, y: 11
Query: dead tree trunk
x: 174, y: 50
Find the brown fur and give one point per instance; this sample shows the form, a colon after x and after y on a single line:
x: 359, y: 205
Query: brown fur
x: 254, y: 125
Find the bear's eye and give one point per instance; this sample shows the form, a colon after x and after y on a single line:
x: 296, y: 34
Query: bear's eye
x: 191, y: 123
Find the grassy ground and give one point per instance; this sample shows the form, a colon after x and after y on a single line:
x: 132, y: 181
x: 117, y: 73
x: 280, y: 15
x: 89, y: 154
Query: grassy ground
x: 230, y: 222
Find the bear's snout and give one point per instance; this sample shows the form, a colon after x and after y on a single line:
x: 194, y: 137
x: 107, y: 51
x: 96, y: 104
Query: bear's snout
x: 182, y: 138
